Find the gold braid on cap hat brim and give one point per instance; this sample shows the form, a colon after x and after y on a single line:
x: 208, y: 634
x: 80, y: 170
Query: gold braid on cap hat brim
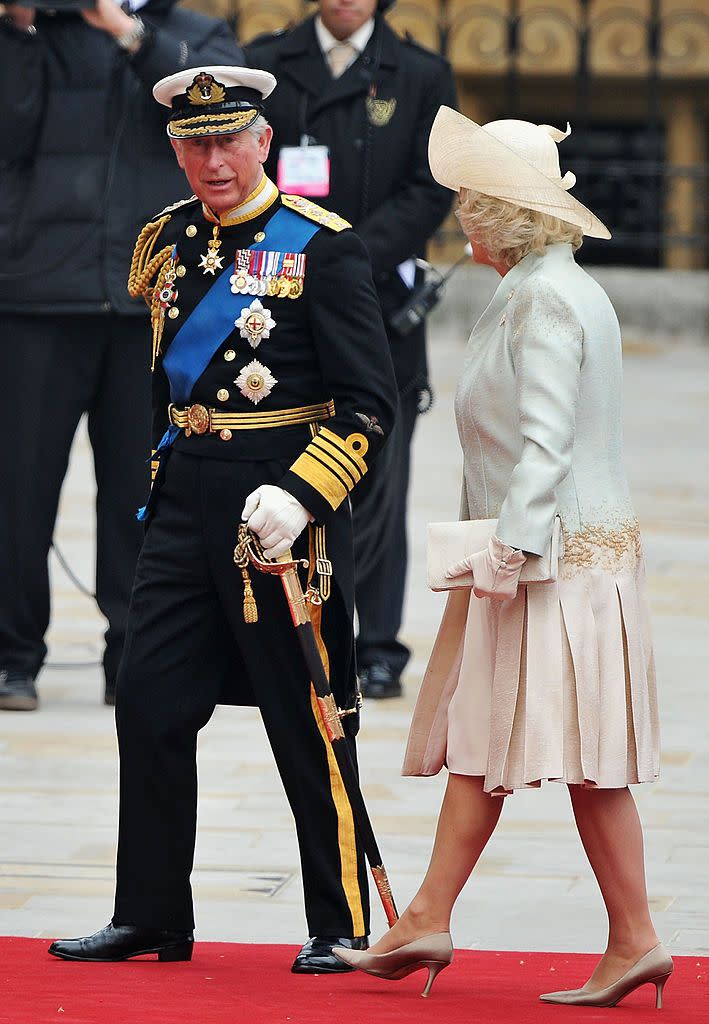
x: 204, y: 124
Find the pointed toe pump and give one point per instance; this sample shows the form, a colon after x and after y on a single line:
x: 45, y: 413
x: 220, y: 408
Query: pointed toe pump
x: 431, y: 952
x: 652, y: 969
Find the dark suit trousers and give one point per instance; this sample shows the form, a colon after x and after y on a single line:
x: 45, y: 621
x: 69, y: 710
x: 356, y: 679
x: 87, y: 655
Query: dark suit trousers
x: 53, y: 369
x: 379, y: 515
x: 187, y: 642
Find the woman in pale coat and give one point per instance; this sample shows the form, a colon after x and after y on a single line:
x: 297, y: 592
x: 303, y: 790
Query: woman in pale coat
x: 549, y: 681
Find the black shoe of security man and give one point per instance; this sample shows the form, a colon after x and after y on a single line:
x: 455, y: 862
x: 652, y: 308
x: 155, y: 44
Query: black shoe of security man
x: 379, y: 680
x: 316, y: 956
x: 123, y: 941
x: 17, y: 691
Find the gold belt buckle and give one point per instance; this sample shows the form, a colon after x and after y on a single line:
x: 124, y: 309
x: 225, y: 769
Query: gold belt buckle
x: 197, y: 420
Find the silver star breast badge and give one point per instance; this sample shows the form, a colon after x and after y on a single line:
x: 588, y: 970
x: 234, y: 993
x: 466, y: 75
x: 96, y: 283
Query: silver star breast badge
x: 255, y: 381
x: 255, y: 323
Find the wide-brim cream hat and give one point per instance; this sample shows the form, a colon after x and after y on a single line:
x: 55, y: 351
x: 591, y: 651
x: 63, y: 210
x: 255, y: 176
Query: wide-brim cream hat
x: 515, y: 161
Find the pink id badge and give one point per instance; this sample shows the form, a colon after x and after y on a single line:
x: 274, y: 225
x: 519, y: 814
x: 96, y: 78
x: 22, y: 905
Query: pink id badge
x: 304, y: 170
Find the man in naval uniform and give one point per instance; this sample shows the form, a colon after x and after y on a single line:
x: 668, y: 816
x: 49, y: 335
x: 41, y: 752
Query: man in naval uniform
x: 273, y: 389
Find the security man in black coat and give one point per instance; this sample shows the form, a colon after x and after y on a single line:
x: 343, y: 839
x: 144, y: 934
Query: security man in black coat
x: 353, y: 93
x: 83, y: 163
x: 273, y: 390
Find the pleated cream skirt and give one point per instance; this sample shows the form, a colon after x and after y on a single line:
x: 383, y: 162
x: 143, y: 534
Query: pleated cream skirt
x: 557, y: 684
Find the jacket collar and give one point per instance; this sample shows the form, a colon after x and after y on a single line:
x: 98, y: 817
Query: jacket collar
x: 302, y: 61
x: 494, y: 313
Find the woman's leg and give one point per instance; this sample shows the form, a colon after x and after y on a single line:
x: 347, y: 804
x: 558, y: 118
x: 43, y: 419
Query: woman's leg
x: 611, y: 833
x: 466, y: 822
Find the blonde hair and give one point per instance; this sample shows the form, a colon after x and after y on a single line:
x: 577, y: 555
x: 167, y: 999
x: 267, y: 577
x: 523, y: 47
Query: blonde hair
x: 510, y: 232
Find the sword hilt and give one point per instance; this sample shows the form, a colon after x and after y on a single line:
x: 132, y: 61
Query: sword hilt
x: 248, y: 549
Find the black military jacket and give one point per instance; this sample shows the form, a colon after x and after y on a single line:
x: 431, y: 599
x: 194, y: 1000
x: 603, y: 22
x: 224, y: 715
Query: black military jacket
x: 327, y: 345
x: 376, y: 120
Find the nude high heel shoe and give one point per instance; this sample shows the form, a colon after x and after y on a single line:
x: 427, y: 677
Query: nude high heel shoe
x: 652, y: 969
x: 432, y: 952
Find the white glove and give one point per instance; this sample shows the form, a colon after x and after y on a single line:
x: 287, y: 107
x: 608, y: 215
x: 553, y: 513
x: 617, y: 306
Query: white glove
x: 495, y: 571
x: 276, y: 517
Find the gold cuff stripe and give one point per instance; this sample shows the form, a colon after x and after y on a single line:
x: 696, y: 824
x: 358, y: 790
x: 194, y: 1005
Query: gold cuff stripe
x: 335, y: 455
x: 347, y: 446
x: 325, y: 483
x: 349, y: 476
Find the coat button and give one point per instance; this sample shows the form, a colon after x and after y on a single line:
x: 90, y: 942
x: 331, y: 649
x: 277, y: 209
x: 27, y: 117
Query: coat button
x: 222, y: 394
x: 173, y: 312
x: 230, y: 354
x: 180, y: 270
x: 260, y: 236
x: 225, y: 434
x: 190, y: 230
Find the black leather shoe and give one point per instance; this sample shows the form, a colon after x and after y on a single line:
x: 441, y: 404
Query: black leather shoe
x: 17, y: 691
x: 316, y: 956
x: 379, y: 681
x: 122, y: 941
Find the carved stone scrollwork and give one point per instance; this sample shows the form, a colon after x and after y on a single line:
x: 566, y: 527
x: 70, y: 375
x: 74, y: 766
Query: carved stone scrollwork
x: 258, y: 16
x: 684, y: 48
x: 422, y: 18
x: 478, y: 36
x: 619, y: 37
x: 548, y: 38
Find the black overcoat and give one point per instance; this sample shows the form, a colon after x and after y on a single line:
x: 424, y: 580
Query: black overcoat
x: 375, y: 119
x: 84, y: 156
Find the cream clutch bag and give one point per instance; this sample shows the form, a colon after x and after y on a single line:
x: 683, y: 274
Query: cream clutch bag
x: 449, y: 543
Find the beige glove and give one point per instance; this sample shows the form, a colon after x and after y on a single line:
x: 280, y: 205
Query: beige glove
x: 276, y: 517
x: 495, y: 570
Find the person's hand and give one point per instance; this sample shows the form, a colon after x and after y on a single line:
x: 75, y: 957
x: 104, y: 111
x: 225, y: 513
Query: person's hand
x: 108, y: 17
x: 21, y: 17
x: 495, y: 570
x: 276, y: 517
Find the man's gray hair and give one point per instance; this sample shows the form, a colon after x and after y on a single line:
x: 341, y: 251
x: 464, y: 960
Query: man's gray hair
x: 257, y: 128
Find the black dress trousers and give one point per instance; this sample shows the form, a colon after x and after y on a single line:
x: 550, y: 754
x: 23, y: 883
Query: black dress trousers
x: 53, y: 369
x: 187, y: 643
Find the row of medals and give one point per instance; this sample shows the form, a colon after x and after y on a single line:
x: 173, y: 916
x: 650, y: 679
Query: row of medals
x: 276, y: 285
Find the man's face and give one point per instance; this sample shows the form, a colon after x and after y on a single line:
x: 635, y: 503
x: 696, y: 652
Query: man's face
x: 223, y: 169
x: 343, y: 17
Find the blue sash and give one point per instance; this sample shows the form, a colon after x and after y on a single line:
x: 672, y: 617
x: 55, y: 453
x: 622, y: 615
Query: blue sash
x: 212, y: 319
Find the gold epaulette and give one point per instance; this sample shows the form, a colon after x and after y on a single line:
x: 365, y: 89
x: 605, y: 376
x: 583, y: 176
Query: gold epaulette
x: 312, y: 211
x: 177, y: 205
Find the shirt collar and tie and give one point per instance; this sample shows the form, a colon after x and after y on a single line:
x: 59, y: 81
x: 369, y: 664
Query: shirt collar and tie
x: 341, y: 53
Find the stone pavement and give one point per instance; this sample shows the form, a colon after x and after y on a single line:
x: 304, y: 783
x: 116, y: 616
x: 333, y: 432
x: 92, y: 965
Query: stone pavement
x: 533, y: 888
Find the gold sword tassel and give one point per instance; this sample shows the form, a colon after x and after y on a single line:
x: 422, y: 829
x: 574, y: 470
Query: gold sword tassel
x: 241, y: 559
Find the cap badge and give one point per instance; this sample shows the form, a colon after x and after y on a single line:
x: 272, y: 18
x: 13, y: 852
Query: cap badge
x: 255, y: 323
x: 205, y: 90
x: 380, y: 112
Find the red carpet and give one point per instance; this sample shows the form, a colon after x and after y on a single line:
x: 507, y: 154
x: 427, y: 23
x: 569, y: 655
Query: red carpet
x: 249, y: 984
